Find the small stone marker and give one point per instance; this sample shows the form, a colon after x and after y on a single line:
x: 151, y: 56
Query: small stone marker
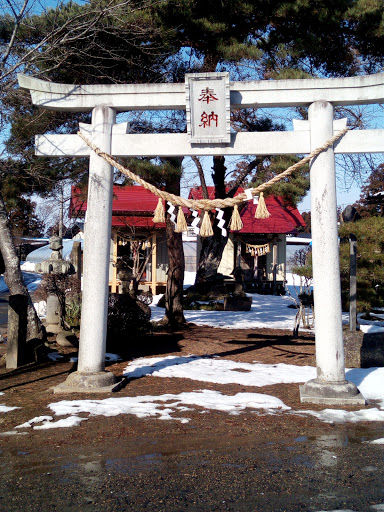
x: 17, y: 330
x: 53, y: 318
x: 75, y: 258
x: 352, y: 282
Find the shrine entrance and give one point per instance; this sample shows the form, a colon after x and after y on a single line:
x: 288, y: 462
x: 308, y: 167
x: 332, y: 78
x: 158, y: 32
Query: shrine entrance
x: 208, y: 99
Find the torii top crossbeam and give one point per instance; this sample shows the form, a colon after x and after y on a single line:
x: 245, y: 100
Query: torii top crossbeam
x: 263, y: 93
x: 356, y: 90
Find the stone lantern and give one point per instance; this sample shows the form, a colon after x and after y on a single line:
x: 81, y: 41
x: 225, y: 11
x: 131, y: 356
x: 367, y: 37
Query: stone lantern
x: 54, y: 265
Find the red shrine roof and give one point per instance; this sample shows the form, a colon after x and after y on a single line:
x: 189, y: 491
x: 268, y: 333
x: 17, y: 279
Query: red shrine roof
x: 283, y: 219
x: 132, y: 205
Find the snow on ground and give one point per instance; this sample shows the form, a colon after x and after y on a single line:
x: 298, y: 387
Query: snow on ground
x: 219, y: 371
x: 214, y: 370
x: 28, y: 266
x: 41, y: 308
x: 370, y: 326
x: 377, y: 441
x: 163, y: 407
x: 266, y: 311
x: 5, y: 408
x: 31, y: 280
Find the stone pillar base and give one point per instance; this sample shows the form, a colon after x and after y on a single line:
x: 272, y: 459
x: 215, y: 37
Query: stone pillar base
x: 331, y: 393
x: 77, y: 382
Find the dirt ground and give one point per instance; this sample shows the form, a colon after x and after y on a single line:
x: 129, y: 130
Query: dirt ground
x: 217, y: 461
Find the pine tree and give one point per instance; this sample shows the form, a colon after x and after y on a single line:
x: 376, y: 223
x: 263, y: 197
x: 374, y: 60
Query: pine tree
x: 264, y: 40
x: 144, y: 41
x: 371, y: 202
x: 369, y: 233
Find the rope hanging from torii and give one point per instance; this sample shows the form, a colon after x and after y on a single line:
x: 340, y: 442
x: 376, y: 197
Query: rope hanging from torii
x: 210, y: 204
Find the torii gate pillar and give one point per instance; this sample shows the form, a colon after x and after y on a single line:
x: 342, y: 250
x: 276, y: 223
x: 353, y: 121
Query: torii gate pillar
x: 91, y: 374
x: 330, y: 385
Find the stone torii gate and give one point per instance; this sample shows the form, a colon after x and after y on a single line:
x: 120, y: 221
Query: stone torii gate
x: 320, y: 95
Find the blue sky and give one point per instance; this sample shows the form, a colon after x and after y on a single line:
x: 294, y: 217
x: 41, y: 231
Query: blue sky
x: 344, y: 197
x: 40, y: 6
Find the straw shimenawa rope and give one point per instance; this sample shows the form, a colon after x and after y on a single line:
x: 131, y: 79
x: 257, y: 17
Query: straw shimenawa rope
x: 210, y: 204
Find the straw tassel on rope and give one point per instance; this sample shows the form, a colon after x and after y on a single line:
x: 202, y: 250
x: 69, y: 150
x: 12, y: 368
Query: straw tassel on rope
x: 236, y: 223
x: 159, y: 214
x: 181, y: 224
x: 206, y: 226
x: 261, y: 210
x: 206, y: 204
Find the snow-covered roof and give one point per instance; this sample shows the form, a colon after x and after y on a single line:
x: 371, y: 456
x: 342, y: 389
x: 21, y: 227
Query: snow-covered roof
x: 43, y: 253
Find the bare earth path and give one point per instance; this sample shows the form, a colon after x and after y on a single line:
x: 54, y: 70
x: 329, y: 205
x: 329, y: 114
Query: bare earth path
x: 216, y: 462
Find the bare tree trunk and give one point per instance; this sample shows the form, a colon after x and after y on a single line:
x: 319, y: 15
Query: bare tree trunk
x: 174, y: 293
x: 213, y: 247
x: 201, y: 176
x: 13, y: 276
x: 211, y: 254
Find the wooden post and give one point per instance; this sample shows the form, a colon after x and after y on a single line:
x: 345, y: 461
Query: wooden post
x: 154, y: 264
x: 238, y: 255
x: 352, y: 281
x: 274, y: 266
x: 17, y: 331
x: 114, y: 263
x: 75, y: 258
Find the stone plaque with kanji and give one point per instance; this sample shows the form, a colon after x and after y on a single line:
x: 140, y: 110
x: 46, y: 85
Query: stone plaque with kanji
x: 208, y: 108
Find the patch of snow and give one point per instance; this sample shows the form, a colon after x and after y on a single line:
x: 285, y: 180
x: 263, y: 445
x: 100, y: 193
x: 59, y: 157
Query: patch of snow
x: 189, y: 278
x: 155, y: 300
x: 377, y: 441
x: 220, y: 371
x: 213, y: 369
x: 337, y: 510
x: 41, y: 308
x: 5, y: 408
x: 164, y: 406
x: 342, y: 416
x: 28, y: 266
x: 370, y: 326
x: 47, y: 422
x: 371, y: 329
x: 13, y: 433
x: 37, y: 419
x: 370, y: 382
x: 266, y: 311
x: 72, y: 421
x: 31, y: 281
